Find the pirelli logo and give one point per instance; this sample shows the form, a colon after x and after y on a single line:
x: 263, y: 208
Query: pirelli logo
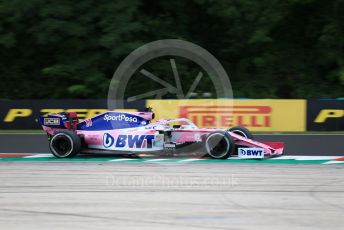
x: 227, y: 116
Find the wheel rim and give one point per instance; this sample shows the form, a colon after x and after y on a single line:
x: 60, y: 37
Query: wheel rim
x: 217, y: 145
x: 61, y: 145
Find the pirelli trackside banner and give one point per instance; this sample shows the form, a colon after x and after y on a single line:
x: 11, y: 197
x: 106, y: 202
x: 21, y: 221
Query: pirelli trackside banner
x: 325, y: 115
x: 21, y: 114
x: 257, y: 115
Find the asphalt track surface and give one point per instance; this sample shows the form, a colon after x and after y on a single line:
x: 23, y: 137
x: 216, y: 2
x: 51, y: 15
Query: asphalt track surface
x: 38, y: 191
x: 296, y: 144
x: 170, y: 196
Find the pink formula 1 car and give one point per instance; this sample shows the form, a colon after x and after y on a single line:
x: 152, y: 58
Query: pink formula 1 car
x: 134, y: 133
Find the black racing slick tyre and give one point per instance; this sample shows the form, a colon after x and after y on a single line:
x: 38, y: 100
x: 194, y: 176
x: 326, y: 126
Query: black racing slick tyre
x: 219, y: 145
x: 65, y: 144
x: 242, y: 131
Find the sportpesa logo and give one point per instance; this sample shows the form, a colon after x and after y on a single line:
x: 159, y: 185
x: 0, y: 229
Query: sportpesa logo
x: 120, y: 117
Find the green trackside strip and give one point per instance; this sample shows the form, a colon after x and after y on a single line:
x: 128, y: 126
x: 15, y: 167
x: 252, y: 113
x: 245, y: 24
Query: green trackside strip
x: 167, y: 160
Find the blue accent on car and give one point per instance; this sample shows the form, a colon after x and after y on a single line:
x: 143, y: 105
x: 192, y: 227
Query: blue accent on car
x: 113, y: 120
x: 134, y: 141
x: 108, y: 140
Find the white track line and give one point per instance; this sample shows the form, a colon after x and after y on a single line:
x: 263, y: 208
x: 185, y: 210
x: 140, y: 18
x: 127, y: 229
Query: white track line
x: 190, y: 160
x: 234, y: 158
x: 40, y: 155
x: 333, y: 162
x: 122, y: 159
x: 305, y: 158
x: 283, y: 158
x: 156, y: 160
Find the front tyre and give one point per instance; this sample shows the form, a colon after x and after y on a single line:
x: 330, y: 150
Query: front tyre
x: 219, y: 145
x: 242, y: 131
x: 65, y: 144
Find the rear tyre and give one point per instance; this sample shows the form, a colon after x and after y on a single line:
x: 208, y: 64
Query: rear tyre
x: 65, y: 144
x: 219, y: 145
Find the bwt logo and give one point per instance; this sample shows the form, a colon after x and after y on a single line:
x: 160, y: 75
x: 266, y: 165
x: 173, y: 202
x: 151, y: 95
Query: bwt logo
x: 108, y: 140
x: 120, y: 117
x: 227, y: 116
x: 130, y: 141
x: 251, y: 152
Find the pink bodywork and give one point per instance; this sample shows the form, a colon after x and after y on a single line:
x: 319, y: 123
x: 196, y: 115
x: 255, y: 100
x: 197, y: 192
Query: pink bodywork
x: 189, y: 133
x: 270, y: 148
